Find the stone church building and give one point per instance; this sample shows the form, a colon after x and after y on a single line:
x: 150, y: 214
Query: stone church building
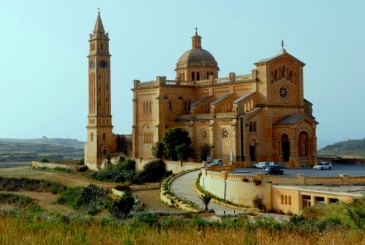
x: 260, y: 116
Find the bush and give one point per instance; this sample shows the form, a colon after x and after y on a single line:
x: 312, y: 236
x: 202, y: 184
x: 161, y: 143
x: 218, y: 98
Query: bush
x: 153, y: 171
x: 93, y: 195
x: 44, y: 160
x: 70, y: 197
x: 158, y: 149
x: 356, y: 212
x: 122, y: 172
x: 147, y: 218
x: 183, y: 152
x: 258, y: 202
x: 122, y: 207
x: 204, y: 151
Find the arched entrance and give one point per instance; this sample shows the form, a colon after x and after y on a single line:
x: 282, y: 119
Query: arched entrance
x: 253, y: 150
x: 285, y: 147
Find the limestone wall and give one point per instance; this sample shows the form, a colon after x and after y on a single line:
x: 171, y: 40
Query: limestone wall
x: 174, y: 166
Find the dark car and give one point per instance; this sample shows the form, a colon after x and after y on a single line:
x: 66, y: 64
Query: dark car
x: 273, y: 170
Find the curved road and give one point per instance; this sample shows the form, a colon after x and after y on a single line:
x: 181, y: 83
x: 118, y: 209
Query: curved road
x: 183, y: 188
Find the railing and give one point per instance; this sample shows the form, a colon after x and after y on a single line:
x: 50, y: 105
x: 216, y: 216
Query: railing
x: 162, y: 81
x: 356, y: 179
x: 288, y: 180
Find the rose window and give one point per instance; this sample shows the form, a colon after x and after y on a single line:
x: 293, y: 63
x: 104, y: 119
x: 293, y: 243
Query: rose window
x: 225, y: 133
x: 283, y: 92
x: 203, y: 134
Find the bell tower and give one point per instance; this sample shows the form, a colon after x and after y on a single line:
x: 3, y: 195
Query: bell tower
x: 100, y: 138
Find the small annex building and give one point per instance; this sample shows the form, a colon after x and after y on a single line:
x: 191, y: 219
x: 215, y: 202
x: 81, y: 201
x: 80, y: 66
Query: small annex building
x: 261, y: 115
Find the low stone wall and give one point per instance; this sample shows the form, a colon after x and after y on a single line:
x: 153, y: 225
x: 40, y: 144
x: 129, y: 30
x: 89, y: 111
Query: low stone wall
x: 174, y: 166
x: 55, y: 165
x: 300, y: 179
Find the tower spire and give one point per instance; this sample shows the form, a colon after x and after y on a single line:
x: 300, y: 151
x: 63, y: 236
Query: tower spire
x: 99, y: 28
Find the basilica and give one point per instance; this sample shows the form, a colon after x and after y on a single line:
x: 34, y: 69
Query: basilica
x: 258, y: 116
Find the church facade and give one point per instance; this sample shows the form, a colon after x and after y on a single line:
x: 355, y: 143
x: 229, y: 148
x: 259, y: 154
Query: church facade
x: 260, y: 116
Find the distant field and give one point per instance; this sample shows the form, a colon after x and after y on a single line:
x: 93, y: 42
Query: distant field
x: 14, y: 164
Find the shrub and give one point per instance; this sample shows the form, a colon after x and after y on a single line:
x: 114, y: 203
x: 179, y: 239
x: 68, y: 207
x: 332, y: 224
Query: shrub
x: 204, y: 151
x: 70, y: 197
x: 122, y: 172
x: 147, y: 218
x: 153, y: 171
x: 258, y: 202
x: 356, y: 212
x: 122, y: 207
x: 93, y: 195
x: 158, y: 150
x: 206, y: 200
x: 44, y: 160
x: 184, y: 151
x: 81, y: 161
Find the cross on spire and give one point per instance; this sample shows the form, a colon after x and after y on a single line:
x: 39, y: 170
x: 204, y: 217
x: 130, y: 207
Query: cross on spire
x: 196, y: 31
x: 282, y: 44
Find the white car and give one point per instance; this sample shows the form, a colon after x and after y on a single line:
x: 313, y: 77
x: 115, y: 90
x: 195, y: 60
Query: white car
x: 260, y: 165
x: 265, y: 164
x: 323, y: 165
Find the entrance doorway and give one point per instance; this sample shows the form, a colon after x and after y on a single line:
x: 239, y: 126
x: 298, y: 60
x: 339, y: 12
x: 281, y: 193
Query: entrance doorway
x: 285, y: 147
x: 252, y: 153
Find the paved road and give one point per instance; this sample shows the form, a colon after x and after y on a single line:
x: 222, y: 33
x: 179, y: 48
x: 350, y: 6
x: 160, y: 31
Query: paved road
x: 337, y: 169
x: 183, y: 188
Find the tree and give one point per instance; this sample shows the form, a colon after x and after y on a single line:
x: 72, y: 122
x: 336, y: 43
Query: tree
x: 183, y: 152
x: 174, y: 137
x: 158, y: 149
x: 204, y: 151
x: 206, y: 200
x: 152, y: 171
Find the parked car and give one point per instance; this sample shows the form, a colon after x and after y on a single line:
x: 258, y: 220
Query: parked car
x: 273, y: 164
x: 265, y: 164
x: 273, y: 170
x: 323, y: 165
x: 216, y: 162
x: 260, y: 165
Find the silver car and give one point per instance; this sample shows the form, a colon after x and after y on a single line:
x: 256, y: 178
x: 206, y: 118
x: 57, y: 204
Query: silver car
x: 323, y: 165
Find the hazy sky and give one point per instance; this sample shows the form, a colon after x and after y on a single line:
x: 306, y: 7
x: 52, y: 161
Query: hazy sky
x: 44, y: 45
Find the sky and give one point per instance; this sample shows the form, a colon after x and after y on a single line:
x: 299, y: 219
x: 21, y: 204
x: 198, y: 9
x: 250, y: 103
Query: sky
x: 44, y: 68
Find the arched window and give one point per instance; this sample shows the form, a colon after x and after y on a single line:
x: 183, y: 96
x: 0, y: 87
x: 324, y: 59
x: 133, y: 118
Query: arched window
x: 170, y: 105
x: 207, y: 74
x: 303, y: 144
x: 104, y: 136
x: 197, y: 76
x: 102, y: 46
x: 254, y: 126
x: 193, y: 76
x: 250, y: 126
x: 91, y: 137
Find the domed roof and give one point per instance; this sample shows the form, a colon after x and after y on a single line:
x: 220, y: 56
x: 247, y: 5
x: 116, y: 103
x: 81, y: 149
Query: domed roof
x: 197, y: 56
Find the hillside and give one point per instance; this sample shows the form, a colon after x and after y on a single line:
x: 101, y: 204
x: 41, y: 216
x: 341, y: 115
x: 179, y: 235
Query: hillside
x: 34, y: 149
x: 348, y: 149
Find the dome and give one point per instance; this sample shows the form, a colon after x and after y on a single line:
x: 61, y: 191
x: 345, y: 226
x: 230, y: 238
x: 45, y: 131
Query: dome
x: 197, y: 57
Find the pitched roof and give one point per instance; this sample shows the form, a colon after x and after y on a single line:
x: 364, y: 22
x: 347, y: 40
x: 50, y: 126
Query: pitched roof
x: 281, y: 52
x: 290, y: 119
x: 220, y: 99
x: 199, y: 101
x: 243, y: 97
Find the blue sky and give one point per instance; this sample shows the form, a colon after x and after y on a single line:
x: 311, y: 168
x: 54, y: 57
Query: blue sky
x: 44, y: 45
